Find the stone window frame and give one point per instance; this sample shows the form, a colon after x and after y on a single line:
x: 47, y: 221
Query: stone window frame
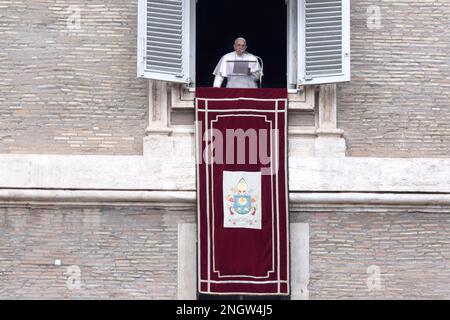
x: 312, y: 126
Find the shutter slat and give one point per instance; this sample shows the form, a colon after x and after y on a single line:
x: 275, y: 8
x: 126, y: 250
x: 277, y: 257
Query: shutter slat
x: 164, y: 40
x: 162, y: 46
x: 164, y: 10
x: 323, y: 47
x: 165, y: 35
x: 331, y: 52
x: 168, y: 24
x: 323, y: 65
x: 326, y: 41
x: 322, y: 57
x: 173, y: 66
x: 168, y: 51
x: 328, y: 72
x: 167, y: 59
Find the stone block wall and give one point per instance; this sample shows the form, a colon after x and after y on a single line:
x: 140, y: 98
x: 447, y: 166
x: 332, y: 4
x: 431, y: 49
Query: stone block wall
x: 69, y: 87
x: 68, y: 80
x: 378, y: 252
x: 131, y: 252
x: 397, y: 103
x: 121, y: 252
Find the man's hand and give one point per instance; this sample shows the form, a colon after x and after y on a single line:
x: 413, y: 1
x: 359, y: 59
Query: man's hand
x: 218, y: 81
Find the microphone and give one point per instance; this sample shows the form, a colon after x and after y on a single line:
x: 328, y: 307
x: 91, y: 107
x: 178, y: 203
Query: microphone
x: 262, y: 68
x: 261, y: 73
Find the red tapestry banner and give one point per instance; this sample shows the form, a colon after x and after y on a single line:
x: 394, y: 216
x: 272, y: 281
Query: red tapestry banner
x: 242, y: 194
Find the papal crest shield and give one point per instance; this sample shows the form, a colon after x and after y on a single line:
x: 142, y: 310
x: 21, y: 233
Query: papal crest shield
x: 242, y: 203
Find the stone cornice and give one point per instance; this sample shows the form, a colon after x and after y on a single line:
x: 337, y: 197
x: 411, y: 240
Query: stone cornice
x: 187, y: 199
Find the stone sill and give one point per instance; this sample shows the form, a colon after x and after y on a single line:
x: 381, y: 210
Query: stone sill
x: 166, y: 171
x: 182, y: 98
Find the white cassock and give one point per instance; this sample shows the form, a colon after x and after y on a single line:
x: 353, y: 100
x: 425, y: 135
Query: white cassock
x: 226, y: 68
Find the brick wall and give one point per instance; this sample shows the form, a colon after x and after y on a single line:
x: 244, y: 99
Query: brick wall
x: 74, y: 91
x: 123, y: 253
x: 397, y: 103
x: 410, y: 247
x: 132, y: 252
x: 67, y: 90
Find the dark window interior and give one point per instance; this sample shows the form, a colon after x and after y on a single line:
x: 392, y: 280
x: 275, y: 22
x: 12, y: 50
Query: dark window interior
x: 261, y: 23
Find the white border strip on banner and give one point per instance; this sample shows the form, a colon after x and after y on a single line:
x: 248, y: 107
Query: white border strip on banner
x: 272, y: 202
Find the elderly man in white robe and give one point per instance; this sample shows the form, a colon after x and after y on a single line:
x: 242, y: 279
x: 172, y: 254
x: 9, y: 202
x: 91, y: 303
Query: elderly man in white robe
x: 241, y: 68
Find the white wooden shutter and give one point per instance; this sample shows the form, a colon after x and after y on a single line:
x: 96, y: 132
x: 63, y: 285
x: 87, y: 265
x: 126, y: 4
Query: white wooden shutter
x: 166, y: 35
x: 323, y: 41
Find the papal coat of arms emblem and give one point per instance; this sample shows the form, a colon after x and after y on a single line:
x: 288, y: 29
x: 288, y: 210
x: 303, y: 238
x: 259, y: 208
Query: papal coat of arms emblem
x: 242, y: 203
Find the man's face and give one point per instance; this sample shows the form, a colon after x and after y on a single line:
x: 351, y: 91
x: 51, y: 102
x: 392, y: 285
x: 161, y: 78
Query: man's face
x: 240, y: 46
